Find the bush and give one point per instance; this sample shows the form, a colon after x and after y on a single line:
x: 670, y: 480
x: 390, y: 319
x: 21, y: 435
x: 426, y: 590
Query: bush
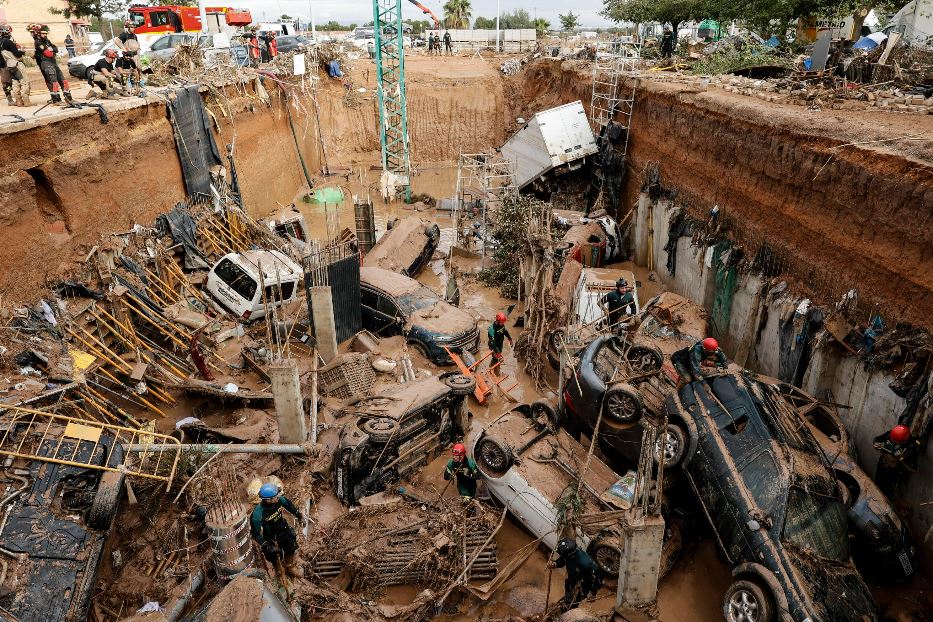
x: 731, y: 58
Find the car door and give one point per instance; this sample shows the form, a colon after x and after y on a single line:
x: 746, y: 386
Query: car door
x: 387, y: 315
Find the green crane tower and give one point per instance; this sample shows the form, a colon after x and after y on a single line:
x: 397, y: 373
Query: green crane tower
x: 390, y: 76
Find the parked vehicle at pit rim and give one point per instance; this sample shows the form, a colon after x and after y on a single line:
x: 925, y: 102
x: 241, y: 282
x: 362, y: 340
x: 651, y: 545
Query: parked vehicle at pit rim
x: 393, y: 303
x: 529, y: 465
x: 771, y: 499
x: 387, y: 436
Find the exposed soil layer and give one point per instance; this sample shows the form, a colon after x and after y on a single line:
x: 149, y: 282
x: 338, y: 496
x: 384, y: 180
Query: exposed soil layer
x: 839, y: 216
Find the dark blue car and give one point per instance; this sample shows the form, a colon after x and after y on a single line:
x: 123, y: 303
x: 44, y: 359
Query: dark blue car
x: 395, y: 304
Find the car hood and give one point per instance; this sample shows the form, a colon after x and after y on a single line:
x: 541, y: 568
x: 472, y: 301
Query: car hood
x: 836, y: 590
x: 442, y: 318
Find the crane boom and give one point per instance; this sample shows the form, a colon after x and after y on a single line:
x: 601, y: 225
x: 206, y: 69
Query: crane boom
x: 427, y: 11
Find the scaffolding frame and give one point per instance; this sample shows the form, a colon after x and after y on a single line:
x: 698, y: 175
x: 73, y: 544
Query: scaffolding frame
x: 390, y: 88
x: 484, y: 177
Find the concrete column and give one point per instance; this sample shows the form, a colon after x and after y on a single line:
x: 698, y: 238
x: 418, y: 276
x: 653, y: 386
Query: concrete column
x: 640, y: 243
x: 286, y: 392
x: 325, y: 331
x: 641, y: 562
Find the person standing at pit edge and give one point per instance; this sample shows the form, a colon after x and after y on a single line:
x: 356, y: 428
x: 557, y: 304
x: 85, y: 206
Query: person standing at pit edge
x: 45, y: 52
x: 12, y: 76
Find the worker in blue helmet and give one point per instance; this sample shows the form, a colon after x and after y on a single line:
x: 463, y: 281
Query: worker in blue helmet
x: 270, y: 529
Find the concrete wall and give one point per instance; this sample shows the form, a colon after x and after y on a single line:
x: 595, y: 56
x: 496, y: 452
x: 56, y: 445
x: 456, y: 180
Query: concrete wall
x: 875, y: 408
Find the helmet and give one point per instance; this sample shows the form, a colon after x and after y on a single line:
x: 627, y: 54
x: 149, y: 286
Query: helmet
x: 111, y: 53
x: 44, y: 28
x: 710, y: 344
x: 621, y: 282
x: 566, y: 547
x: 129, y: 24
x: 268, y: 491
x: 500, y: 318
x: 899, y: 434
x: 33, y: 29
x: 458, y: 450
x: 5, y: 30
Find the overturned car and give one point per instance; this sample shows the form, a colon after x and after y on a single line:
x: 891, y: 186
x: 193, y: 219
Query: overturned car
x: 385, y: 437
x: 406, y: 247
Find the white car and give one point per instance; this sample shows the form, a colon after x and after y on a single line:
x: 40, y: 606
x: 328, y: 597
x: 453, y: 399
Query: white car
x: 244, y: 283
x: 78, y: 65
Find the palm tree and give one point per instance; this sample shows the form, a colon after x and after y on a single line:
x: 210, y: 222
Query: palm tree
x: 457, y: 13
x: 542, y: 26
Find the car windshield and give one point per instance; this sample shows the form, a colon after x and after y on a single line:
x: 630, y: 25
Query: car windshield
x: 816, y: 524
x: 421, y: 298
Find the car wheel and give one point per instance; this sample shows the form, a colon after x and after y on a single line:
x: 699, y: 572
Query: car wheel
x: 607, y: 556
x: 380, y: 429
x: 644, y: 359
x: 544, y: 413
x: 555, y: 343
x: 460, y: 384
x: 420, y: 348
x: 493, y: 456
x: 672, y: 447
x: 622, y: 404
x: 747, y: 602
x: 106, y: 500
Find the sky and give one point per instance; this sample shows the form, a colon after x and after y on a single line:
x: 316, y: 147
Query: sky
x: 361, y: 11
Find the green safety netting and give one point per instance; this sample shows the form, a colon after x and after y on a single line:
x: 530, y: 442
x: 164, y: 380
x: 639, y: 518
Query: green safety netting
x: 725, y: 289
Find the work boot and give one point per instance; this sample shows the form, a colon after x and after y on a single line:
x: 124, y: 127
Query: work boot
x: 68, y: 98
x: 9, y: 100
x: 291, y: 566
x: 56, y: 98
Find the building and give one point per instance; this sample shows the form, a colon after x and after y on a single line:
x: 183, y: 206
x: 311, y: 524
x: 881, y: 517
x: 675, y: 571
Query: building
x: 20, y: 13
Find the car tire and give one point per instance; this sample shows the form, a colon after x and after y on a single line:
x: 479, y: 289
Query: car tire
x: 460, y: 384
x: 622, y: 404
x: 380, y: 429
x: 106, y: 500
x: 745, y: 601
x: 607, y: 556
x: 674, y: 448
x: 421, y: 349
x: 644, y: 359
x: 555, y: 343
x: 543, y: 410
x: 493, y: 456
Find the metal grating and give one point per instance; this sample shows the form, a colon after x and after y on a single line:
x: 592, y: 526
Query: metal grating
x: 390, y: 81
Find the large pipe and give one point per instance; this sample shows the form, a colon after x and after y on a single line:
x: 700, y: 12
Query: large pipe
x: 210, y: 448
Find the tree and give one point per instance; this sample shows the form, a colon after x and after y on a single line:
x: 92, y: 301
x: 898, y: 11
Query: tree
x: 568, y: 21
x: 95, y: 8
x: 542, y: 26
x: 519, y: 18
x: 674, y: 12
x: 457, y: 13
x: 484, y: 23
x: 285, y: 17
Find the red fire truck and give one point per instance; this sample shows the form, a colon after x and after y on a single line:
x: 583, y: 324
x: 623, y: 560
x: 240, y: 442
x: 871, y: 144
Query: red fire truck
x: 159, y: 20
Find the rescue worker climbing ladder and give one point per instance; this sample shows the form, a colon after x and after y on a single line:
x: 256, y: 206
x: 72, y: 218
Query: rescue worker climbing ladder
x: 272, y: 532
x: 45, y: 52
x: 464, y: 470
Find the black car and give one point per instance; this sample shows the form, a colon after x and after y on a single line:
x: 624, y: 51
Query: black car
x: 624, y: 381
x: 392, y: 303
x: 290, y: 43
x: 387, y: 436
x: 773, y: 504
x: 883, y: 548
x: 56, y: 520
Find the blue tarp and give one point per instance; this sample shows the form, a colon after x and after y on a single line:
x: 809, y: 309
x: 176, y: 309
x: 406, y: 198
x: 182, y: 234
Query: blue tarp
x: 865, y: 43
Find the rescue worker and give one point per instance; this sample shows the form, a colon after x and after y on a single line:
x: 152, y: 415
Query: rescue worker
x: 583, y: 576
x: 273, y: 46
x: 667, y: 43
x: 12, y: 76
x: 618, y: 303
x: 448, y: 44
x: 70, y: 46
x: 464, y: 470
x: 103, y: 74
x: 252, y: 44
x: 128, y: 43
x: 497, y: 334
x: 127, y: 71
x: 269, y: 528
x: 45, y: 52
x: 692, y: 363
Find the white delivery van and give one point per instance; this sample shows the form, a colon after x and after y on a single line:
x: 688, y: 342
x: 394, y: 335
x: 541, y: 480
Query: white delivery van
x: 244, y: 283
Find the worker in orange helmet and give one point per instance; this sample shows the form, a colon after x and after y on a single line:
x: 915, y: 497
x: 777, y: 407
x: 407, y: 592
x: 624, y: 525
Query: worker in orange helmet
x: 464, y: 470
x: 497, y: 335
x: 705, y: 356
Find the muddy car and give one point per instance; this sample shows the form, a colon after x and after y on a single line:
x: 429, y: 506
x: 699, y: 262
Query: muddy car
x: 56, y: 521
x: 530, y: 466
x: 882, y: 546
x: 393, y: 303
x: 772, y: 502
x: 406, y: 247
x: 386, y: 437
